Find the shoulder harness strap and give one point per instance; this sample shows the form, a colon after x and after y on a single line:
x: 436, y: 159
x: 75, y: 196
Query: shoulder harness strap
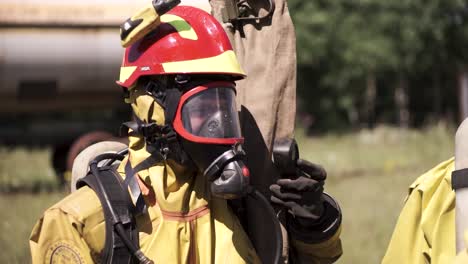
x: 459, y: 179
x: 119, y: 216
x: 159, y: 138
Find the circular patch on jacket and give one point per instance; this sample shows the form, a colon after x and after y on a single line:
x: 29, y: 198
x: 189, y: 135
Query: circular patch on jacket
x: 63, y: 252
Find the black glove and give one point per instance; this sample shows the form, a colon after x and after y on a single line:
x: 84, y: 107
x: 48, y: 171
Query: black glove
x: 313, y: 216
x: 303, y: 196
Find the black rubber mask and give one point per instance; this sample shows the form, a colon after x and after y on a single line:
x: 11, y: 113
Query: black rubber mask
x: 208, y: 123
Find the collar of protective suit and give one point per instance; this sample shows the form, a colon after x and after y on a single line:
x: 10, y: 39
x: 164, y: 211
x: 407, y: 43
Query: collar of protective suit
x: 193, y: 227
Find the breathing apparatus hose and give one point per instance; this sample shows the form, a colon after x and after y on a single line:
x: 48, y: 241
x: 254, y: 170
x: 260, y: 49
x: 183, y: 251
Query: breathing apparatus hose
x: 119, y: 156
x: 278, y: 234
x: 116, y: 221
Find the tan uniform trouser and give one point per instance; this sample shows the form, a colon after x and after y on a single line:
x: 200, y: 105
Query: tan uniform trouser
x: 266, y: 50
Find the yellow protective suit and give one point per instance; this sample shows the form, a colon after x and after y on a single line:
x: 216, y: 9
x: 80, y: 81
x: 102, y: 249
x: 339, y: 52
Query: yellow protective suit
x: 183, y: 224
x: 425, y: 231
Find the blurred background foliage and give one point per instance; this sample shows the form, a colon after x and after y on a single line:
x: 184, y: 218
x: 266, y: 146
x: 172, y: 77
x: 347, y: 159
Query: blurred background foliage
x: 366, y: 62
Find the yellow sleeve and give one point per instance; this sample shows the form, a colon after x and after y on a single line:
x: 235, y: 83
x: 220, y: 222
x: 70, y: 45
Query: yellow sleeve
x: 324, y: 252
x: 425, y: 230
x: 407, y: 244
x: 56, y: 238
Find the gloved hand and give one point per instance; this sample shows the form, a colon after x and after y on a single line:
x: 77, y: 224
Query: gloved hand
x: 302, y: 196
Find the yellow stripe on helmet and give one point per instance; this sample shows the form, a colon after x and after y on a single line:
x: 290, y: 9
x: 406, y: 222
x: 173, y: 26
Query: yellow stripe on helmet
x: 126, y: 72
x: 183, y: 28
x: 223, y: 63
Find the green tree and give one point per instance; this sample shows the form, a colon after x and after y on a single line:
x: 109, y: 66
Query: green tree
x: 351, y: 53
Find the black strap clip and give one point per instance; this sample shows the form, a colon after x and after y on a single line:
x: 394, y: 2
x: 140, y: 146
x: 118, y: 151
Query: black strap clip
x: 149, y: 130
x: 460, y: 179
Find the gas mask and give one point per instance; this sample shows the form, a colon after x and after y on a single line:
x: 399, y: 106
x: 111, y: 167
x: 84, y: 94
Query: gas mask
x: 204, y: 117
x: 208, y: 125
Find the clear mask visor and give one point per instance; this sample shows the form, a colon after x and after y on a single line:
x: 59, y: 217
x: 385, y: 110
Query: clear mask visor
x: 212, y: 113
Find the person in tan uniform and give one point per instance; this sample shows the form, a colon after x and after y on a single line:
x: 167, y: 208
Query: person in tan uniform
x: 182, y: 193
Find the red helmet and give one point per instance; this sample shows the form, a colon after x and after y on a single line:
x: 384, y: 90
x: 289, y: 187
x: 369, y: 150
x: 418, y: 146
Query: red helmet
x: 188, y: 41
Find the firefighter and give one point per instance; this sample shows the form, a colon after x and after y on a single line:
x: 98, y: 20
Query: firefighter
x: 177, y: 194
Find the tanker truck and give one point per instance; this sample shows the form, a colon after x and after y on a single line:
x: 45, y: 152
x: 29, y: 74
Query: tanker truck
x: 58, y: 64
x: 59, y: 61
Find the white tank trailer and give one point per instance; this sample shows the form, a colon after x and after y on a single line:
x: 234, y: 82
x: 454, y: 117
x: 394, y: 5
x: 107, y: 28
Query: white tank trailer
x: 58, y: 64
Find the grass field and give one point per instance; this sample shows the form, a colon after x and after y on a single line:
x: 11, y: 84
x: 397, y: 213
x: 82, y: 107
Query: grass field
x: 369, y: 172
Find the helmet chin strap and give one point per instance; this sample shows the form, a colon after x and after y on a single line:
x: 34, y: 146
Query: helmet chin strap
x: 161, y: 140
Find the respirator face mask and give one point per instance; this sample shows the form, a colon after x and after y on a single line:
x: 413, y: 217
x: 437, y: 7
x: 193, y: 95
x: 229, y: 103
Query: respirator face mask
x: 208, y: 124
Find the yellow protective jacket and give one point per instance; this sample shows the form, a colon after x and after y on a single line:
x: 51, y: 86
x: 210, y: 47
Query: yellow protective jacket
x: 183, y: 224
x: 73, y: 231
x: 425, y: 231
